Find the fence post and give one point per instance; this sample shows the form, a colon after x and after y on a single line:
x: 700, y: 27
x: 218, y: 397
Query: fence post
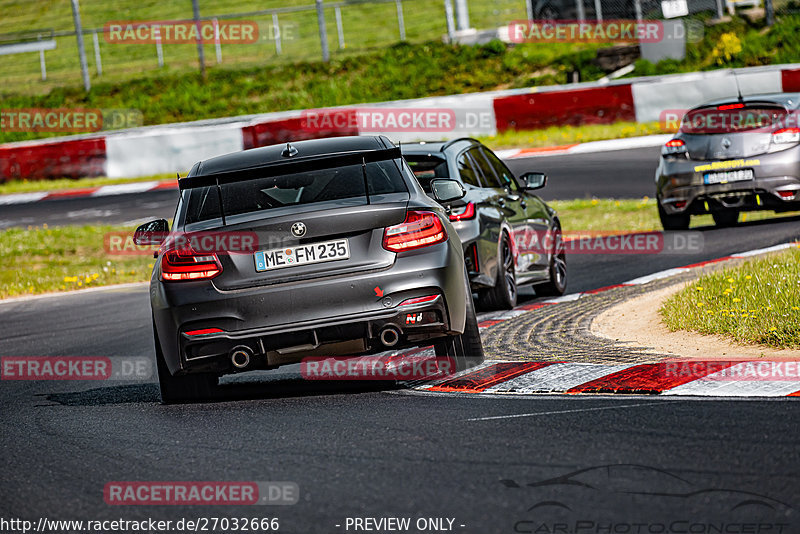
x: 581, y: 11
x: 323, y: 33
x: 339, y: 27
x: 159, y: 49
x: 637, y: 6
x: 462, y: 15
x: 400, y: 21
x: 97, y: 60
x: 217, y: 44
x: 529, y: 9
x: 451, y: 26
x: 200, y: 52
x: 770, y: 12
x: 76, y: 18
x: 42, y: 64
x: 598, y: 10
x: 276, y: 29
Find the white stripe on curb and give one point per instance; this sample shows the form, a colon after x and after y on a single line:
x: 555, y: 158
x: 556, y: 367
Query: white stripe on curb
x: 22, y: 198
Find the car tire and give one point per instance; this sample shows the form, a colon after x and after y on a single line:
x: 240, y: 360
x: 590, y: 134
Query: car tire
x: 726, y: 219
x: 503, y: 296
x: 186, y: 388
x: 466, y: 350
x: 557, y: 285
x: 674, y: 222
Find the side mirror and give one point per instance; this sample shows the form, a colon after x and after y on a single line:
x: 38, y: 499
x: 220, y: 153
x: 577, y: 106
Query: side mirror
x: 151, y: 233
x: 447, y: 190
x: 533, y: 180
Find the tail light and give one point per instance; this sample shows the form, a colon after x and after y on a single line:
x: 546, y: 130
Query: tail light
x: 183, y: 264
x: 787, y: 195
x: 420, y: 229
x: 726, y: 107
x: 786, y: 135
x: 674, y: 147
x: 467, y: 212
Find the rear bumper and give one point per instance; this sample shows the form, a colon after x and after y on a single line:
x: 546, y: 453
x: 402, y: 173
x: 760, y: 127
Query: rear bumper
x: 336, y: 315
x: 776, y: 186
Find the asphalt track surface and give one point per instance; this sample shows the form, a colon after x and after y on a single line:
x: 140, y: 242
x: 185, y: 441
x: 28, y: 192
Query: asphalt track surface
x: 368, y: 450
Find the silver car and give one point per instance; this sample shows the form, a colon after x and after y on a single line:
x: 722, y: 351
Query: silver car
x: 729, y: 156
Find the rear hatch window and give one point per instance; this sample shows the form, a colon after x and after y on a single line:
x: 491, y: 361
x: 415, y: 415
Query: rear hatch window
x: 426, y: 168
x: 326, y: 188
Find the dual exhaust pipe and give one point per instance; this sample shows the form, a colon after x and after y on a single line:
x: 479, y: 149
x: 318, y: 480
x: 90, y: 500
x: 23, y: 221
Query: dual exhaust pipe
x: 241, y: 356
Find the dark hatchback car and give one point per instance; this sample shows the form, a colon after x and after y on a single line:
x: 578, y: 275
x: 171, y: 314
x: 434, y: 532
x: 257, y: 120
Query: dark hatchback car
x: 352, y: 257
x: 731, y: 156
x: 510, y: 236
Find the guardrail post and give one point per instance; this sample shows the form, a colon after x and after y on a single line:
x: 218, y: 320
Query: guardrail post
x: 451, y: 26
x: 462, y: 15
x: 76, y: 18
x: 323, y: 33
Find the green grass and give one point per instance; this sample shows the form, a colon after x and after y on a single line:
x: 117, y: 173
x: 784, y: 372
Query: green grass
x: 757, y: 302
x: 27, y: 186
x: 566, y: 135
x: 42, y: 260
x: 39, y: 259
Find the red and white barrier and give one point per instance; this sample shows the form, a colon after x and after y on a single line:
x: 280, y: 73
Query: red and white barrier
x: 176, y: 147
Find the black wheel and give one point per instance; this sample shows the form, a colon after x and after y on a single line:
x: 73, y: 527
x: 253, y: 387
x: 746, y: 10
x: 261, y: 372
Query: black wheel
x: 557, y: 284
x: 187, y: 388
x: 466, y: 350
x: 724, y: 219
x: 503, y: 296
x: 674, y: 222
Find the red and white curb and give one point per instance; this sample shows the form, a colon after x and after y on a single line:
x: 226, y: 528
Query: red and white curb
x: 685, y: 378
x: 100, y: 191
x: 514, y: 377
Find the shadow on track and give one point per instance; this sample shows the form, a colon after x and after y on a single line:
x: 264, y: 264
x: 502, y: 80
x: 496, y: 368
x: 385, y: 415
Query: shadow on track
x: 237, y: 391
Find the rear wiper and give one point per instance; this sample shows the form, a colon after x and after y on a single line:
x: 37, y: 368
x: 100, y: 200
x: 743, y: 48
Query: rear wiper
x: 366, y: 182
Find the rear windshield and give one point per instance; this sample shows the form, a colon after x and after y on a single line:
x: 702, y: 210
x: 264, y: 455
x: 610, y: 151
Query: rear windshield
x: 731, y: 119
x: 332, y: 186
x: 426, y: 168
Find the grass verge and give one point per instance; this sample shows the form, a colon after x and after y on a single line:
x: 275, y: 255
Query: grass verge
x: 38, y: 260
x: 43, y: 260
x: 567, y: 135
x: 757, y: 302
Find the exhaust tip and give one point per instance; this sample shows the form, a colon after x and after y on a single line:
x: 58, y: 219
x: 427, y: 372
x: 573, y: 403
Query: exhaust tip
x: 240, y: 357
x: 390, y: 336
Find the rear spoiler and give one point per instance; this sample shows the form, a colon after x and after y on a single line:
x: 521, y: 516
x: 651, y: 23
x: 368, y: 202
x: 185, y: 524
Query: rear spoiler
x: 293, y: 165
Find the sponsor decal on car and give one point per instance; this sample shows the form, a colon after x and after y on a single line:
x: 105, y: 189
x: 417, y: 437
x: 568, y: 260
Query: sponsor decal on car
x: 727, y: 164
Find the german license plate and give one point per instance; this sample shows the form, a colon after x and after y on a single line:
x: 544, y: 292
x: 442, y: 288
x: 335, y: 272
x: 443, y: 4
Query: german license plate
x: 279, y: 258
x: 739, y: 175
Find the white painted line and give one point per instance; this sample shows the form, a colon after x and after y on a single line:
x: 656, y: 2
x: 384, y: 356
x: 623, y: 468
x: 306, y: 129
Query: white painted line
x: 767, y: 250
x: 579, y: 410
x: 22, y: 198
x: 565, y: 298
x: 558, y: 377
x: 628, y: 143
x: 655, y: 276
x: 121, y: 189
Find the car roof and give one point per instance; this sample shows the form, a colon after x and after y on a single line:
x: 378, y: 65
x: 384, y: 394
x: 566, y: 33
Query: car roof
x: 272, y: 154
x: 787, y: 100
x: 426, y: 147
